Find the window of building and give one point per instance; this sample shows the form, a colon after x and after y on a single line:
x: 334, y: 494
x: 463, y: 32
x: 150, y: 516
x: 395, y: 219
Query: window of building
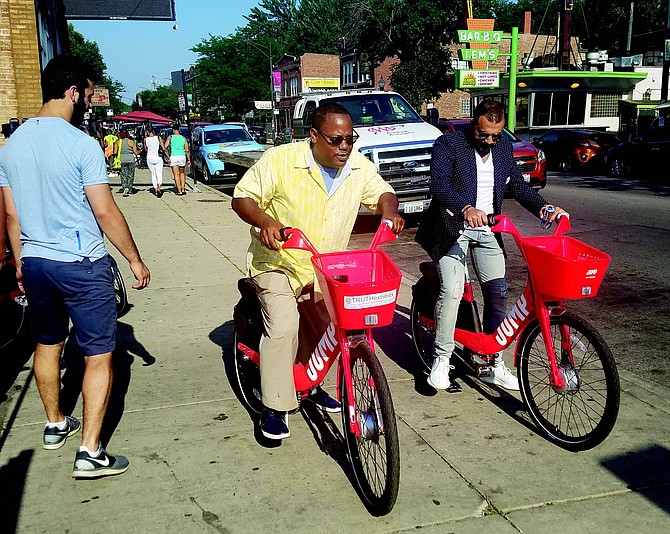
x: 294, y: 86
x: 558, y: 109
x: 605, y: 104
x: 458, y: 64
x: 348, y: 70
x: 465, y: 107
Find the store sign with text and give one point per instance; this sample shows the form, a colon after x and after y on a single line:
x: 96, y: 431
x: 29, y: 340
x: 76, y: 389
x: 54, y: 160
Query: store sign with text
x: 471, y: 79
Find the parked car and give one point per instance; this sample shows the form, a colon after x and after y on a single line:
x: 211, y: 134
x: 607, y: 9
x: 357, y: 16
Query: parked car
x: 645, y: 156
x: 572, y: 150
x: 530, y: 160
x: 258, y: 133
x: 208, y: 141
x: 284, y: 136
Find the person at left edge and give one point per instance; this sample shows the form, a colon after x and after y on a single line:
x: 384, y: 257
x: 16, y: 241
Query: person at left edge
x: 58, y: 202
x: 317, y: 186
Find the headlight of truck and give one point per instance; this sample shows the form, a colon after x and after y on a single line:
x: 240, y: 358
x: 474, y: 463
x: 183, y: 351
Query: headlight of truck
x: 540, y: 155
x: 212, y: 155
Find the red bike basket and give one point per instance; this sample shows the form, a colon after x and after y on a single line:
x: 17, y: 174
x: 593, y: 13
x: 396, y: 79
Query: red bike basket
x: 565, y: 268
x: 360, y: 287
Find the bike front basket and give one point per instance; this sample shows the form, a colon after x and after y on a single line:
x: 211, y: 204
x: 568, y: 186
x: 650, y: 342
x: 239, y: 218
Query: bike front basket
x: 360, y: 287
x: 564, y: 267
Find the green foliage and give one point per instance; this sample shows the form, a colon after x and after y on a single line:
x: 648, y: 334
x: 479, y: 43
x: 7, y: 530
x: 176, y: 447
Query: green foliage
x: 162, y: 100
x: 90, y: 52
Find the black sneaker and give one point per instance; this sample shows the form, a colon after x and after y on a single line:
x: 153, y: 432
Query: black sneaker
x: 323, y: 401
x: 54, y: 437
x: 103, y: 465
x: 274, y: 424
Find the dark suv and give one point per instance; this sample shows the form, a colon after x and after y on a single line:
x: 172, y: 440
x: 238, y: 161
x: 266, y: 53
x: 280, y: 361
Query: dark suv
x: 573, y: 150
x: 647, y: 155
x: 529, y: 159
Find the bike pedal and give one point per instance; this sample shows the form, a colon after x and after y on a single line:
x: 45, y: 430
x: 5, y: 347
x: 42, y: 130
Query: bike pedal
x: 484, y: 370
x: 454, y: 387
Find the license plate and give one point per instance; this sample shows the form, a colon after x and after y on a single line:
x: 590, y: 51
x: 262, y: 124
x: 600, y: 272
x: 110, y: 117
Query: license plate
x: 413, y: 207
x: 526, y: 177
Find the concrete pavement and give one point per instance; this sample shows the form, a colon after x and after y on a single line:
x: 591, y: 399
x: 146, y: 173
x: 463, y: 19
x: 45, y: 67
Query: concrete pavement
x: 470, y: 462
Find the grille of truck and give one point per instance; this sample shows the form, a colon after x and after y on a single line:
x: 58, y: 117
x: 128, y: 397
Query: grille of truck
x: 406, y: 168
x: 526, y: 163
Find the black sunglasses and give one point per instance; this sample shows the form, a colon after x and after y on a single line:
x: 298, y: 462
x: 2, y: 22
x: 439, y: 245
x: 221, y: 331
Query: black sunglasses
x: 495, y: 136
x: 337, y: 140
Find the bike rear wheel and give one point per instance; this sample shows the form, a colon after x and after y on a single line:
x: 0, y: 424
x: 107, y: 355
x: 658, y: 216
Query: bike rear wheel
x: 423, y: 336
x: 248, y: 376
x: 119, y: 289
x: 583, y: 415
x: 375, y: 455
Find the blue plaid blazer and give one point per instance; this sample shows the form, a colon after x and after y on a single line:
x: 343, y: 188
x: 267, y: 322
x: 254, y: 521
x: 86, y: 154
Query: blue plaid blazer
x: 454, y: 185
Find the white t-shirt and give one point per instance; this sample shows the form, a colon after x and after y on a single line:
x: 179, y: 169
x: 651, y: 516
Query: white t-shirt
x: 484, y: 188
x: 152, y: 147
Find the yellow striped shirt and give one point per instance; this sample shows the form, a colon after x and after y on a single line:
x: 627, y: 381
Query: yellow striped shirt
x: 287, y: 184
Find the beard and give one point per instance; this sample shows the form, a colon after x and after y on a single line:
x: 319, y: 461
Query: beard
x: 482, y: 148
x: 78, y: 111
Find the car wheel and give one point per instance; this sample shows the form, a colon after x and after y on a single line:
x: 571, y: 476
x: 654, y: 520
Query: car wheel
x: 617, y: 168
x: 206, y: 176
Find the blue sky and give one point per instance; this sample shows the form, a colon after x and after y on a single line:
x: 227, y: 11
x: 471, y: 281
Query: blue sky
x: 136, y: 50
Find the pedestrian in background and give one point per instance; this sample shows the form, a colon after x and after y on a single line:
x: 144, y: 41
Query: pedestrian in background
x: 155, y: 163
x: 127, y: 149
x: 59, y: 205
x: 109, y: 144
x: 179, y: 158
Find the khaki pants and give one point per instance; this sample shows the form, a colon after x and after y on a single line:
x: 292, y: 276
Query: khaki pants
x: 293, y: 326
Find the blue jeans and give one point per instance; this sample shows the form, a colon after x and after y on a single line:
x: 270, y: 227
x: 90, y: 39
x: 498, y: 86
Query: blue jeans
x: 489, y: 263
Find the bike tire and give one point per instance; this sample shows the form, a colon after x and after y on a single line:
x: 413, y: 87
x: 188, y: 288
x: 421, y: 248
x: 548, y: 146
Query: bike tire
x: 423, y: 337
x: 584, y: 415
x: 248, y: 376
x: 120, y: 292
x: 375, y: 458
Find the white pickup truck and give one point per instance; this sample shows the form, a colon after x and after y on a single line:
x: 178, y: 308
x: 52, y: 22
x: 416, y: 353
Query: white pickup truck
x: 392, y: 135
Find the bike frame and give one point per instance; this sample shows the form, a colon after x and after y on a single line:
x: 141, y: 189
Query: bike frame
x: 529, y: 306
x: 335, y: 343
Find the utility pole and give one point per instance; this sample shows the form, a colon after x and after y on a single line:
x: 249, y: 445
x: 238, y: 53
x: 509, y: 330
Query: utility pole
x: 564, y: 41
x: 666, y: 59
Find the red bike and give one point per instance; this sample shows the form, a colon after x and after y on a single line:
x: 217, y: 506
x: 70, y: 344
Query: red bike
x: 360, y: 288
x: 567, y: 375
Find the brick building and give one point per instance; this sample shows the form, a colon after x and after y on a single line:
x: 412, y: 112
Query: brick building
x: 304, y: 74
x: 31, y: 33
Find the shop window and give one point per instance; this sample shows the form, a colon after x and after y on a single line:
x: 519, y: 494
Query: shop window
x: 605, y: 104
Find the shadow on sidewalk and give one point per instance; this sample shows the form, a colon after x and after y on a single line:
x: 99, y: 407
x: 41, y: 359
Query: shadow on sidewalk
x: 127, y: 348
x: 12, y: 480
x: 645, y: 472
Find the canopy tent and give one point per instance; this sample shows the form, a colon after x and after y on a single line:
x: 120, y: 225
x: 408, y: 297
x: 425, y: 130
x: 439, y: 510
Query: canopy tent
x: 142, y: 116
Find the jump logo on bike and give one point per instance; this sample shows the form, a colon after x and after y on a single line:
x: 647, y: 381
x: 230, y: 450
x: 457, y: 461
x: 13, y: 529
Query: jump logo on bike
x: 510, y: 325
x: 326, y: 349
x: 369, y: 301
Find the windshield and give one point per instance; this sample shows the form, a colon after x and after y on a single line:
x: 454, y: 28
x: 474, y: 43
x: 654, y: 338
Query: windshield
x: 231, y: 135
x: 366, y: 109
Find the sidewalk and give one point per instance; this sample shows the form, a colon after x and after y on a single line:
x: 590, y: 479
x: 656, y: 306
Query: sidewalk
x: 470, y: 462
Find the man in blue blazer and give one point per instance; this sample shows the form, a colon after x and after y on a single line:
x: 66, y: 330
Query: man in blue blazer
x: 471, y: 173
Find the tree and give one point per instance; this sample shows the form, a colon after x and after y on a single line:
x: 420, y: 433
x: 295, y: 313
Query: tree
x: 162, y: 100
x: 90, y: 52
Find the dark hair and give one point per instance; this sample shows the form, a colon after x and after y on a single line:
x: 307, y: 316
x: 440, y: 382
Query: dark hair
x: 175, y: 126
x: 123, y: 134
x: 61, y: 73
x: 149, y: 129
x: 491, y: 109
x: 321, y: 113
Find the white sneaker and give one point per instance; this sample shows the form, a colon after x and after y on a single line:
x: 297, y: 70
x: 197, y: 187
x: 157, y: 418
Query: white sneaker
x: 499, y: 375
x: 439, y: 373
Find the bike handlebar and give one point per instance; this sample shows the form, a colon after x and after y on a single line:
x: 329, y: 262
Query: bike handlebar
x: 294, y: 238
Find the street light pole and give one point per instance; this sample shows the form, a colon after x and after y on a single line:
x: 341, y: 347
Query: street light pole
x: 272, y: 95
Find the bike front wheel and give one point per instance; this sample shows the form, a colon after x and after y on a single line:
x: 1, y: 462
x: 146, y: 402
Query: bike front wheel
x: 375, y: 454
x: 583, y: 414
x: 423, y: 336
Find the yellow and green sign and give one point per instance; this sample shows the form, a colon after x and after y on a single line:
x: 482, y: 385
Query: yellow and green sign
x: 471, y: 79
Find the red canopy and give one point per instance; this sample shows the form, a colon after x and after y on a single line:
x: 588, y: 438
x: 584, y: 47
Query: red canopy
x: 142, y: 116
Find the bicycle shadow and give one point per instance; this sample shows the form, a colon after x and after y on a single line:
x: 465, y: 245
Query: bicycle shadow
x: 123, y: 357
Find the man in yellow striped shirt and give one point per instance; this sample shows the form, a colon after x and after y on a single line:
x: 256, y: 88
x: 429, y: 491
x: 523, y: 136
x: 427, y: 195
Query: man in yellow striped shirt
x: 317, y: 186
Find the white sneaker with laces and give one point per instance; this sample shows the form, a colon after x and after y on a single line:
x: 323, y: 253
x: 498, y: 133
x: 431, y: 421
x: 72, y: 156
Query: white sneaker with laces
x: 439, y: 373
x: 499, y: 375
